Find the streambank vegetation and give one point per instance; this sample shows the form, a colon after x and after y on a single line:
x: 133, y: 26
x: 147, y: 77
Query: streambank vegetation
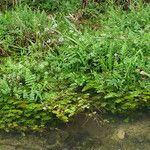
x: 58, y: 60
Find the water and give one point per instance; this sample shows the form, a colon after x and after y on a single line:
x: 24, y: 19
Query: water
x: 84, y: 133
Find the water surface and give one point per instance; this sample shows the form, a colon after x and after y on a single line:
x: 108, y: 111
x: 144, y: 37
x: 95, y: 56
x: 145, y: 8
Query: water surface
x: 85, y: 133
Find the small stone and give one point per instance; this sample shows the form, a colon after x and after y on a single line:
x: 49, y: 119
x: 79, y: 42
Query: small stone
x: 121, y: 134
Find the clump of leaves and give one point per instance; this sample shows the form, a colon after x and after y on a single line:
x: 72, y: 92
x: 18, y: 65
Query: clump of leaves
x: 23, y: 30
x: 23, y: 114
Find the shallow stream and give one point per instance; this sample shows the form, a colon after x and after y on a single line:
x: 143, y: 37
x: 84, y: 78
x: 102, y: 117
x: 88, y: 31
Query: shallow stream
x: 85, y: 133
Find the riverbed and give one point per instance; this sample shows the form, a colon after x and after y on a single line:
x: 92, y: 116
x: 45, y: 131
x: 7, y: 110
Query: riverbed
x: 85, y: 133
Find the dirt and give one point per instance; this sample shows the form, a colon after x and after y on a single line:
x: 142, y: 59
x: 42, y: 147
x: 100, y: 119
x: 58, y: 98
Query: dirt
x: 84, y: 134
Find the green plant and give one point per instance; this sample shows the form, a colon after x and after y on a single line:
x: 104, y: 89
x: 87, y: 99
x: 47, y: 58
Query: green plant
x: 58, y: 66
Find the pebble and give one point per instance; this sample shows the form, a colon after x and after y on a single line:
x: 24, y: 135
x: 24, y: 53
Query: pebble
x: 121, y: 134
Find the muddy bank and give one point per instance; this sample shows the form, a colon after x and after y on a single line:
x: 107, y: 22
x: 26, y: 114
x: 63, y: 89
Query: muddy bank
x: 85, y: 134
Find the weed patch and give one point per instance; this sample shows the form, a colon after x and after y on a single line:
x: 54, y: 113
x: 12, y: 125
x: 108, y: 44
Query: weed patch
x: 56, y: 68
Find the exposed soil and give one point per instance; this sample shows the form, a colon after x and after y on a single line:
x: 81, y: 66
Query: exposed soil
x: 85, y: 134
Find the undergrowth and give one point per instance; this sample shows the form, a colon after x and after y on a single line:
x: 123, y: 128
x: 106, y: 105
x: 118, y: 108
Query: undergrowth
x: 52, y: 67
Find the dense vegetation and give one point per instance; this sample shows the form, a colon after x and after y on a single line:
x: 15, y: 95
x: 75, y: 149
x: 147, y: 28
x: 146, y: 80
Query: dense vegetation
x: 54, y: 65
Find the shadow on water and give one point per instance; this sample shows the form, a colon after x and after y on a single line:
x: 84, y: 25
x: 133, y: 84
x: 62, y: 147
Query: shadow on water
x: 85, y: 133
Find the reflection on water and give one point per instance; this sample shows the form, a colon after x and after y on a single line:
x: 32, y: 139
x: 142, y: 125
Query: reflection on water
x: 85, y: 134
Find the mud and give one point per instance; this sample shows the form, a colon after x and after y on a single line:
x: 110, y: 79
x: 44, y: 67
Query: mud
x: 84, y: 134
